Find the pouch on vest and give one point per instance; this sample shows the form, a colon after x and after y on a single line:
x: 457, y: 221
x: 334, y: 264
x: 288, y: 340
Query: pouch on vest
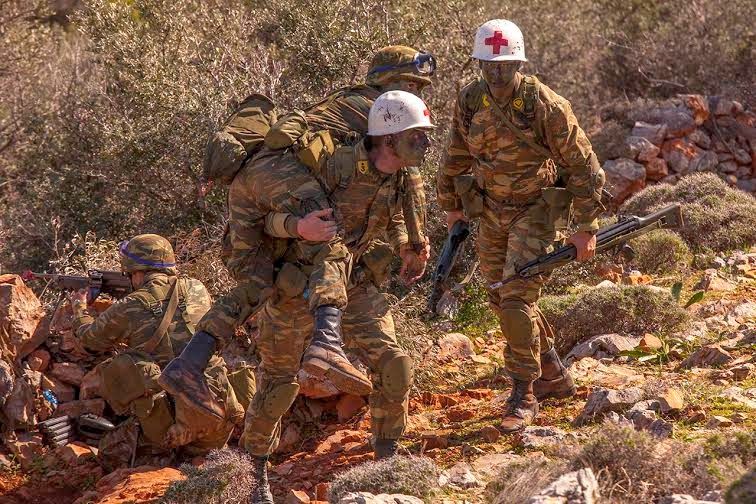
x: 290, y: 281
x: 559, y: 207
x: 240, y: 138
x: 377, y: 260
x: 315, y: 148
x: 473, y: 200
x: 127, y: 377
x: 286, y: 131
x: 155, y: 417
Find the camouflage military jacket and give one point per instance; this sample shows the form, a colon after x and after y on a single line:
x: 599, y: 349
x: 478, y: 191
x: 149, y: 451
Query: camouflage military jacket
x: 508, y: 169
x: 345, y: 115
x: 133, y: 320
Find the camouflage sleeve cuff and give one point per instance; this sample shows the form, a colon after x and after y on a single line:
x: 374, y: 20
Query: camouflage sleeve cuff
x: 281, y: 225
x: 591, y: 225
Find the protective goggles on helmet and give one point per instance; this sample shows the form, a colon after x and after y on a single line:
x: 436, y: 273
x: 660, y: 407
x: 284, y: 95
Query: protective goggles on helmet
x: 424, y: 63
x: 140, y: 260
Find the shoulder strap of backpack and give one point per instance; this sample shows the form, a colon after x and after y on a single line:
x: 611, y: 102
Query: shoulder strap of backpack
x: 162, y: 329
x: 502, y: 116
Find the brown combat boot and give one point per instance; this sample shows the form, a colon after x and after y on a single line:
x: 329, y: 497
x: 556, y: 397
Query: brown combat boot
x: 522, y: 407
x: 555, y: 381
x: 325, y: 357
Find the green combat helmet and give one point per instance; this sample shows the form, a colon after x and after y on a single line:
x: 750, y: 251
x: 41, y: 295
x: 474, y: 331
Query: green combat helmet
x: 400, y: 63
x: 147, y: 252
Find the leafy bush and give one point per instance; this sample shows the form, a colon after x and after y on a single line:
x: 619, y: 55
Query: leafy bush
x: 716, y: 216
x: 226, y: 476
x: 660, y: 252
x: 626, y: 309
x: 416, y: 476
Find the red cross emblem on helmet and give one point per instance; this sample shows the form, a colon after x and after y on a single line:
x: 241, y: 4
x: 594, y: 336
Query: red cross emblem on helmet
x: 496, y: 42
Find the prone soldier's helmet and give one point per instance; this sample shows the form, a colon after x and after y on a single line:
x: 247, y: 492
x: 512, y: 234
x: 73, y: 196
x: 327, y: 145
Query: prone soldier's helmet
x: 398, y: 62
x: 397, y: 111
x: 147, y: 252
x: 499, y: 40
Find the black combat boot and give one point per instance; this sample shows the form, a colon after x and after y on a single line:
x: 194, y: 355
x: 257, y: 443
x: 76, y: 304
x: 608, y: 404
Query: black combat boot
x: 184, y: 376
x: 325, y: 357
x: 555, y: 381
x: 385, y: 448
x: 522, y: 407
x: 261, y: 493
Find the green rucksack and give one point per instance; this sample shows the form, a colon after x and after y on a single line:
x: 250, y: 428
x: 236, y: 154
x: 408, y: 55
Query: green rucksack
x: 239, y: 139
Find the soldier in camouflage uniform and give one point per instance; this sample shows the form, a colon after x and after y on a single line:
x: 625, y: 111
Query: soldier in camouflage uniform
x: 155, y: 322
x: 519, y: 161
x: 364, y: 183
x: 344, y: 115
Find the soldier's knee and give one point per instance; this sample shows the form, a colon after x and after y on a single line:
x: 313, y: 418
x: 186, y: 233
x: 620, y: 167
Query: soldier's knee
x: 396, y: 375
x: 515, y: 317
x: 278, y: 398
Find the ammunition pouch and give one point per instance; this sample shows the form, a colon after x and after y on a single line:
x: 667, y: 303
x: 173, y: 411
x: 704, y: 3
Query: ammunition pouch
x: 290, y: 281
x: 127, y: 377
x: 377, y: 261
x: 291, y: 131
x: 243, y: 382
x: 155, y: 415
x: 473, y: 200
x: 558, y: 210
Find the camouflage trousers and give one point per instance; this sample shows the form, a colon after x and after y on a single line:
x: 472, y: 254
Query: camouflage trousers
x: 509, y: 237
x: 285, y: 332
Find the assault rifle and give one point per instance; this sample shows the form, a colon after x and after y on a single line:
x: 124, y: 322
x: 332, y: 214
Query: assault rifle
x: 449, y: 253
x: 96, y: 281
x: 606, y: 239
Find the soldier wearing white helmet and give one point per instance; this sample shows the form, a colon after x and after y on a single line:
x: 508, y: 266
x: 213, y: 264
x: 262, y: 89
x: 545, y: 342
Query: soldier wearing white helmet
x: 363, y: 184
x: 518, y: 160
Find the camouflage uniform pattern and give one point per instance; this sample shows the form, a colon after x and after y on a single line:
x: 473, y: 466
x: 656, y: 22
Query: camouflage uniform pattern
x: 131, y: 322
x: 367, y: 204
x: 517, y: 223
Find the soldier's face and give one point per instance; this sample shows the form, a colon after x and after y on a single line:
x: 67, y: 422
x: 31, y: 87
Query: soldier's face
x: 413, y: 87
x: 411, y: 146
x: 499, y: 74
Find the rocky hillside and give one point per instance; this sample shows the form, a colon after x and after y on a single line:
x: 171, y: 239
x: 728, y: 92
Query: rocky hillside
x: 665, y: 410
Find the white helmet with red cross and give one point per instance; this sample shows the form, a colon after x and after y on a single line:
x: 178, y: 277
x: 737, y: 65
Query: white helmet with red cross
x: 397, y: 111
x: 499, y: 40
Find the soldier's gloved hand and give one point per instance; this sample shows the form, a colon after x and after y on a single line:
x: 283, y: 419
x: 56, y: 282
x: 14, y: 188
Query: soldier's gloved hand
x: 312, y: 227
x: 454, y: 216
x: 585, y: 243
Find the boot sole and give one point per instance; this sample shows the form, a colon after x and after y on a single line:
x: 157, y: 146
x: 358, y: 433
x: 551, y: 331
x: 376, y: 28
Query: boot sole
x: 345, y: 382
x: 558, y: 394
x: 173, y: 389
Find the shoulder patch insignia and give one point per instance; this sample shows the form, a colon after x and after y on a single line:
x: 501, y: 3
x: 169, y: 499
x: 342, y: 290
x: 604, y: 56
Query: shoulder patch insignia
x: 518, y: 103
x: 363, y: 166
x: 486, y: 103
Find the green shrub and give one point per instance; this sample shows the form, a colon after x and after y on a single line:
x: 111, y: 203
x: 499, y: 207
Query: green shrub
x: 716, y: 216
x: 416, y: 476
x: 660, y: 252
x: 622, y: 309
x: 226, y: 476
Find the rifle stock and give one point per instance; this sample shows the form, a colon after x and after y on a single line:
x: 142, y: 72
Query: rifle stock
x: 607, y: 238
x: 113, y: 283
